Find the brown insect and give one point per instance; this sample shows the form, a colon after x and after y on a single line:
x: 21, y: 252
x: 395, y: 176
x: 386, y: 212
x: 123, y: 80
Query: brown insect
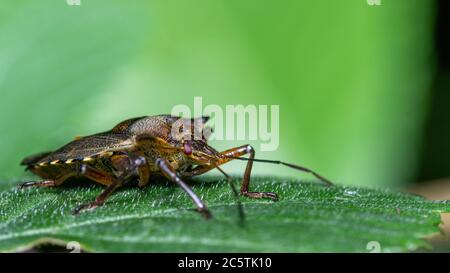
x: 138, y: 148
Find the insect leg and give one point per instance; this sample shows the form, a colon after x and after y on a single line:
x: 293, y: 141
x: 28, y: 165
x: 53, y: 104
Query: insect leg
x: 96, y: 175
x: 43, y: 183
x: 99, y: 177
x: 142, y: 170
x: 229, y: 155
x: 169, y: 172
x: 47, y: 183
x: 239, y: 151
x: 122, y: 162
x: 111, y: 181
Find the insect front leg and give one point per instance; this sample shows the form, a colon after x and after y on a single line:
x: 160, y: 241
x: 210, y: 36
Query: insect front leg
x: 239, y: 151
x: 229, y: 155
x: 170, y: 174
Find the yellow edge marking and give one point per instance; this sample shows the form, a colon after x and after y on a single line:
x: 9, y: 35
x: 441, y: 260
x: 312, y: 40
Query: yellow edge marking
x: 43, y: 164
x: 68, y: 161
x: 87, y: 159
x: 54, y: 162
x: 106, y: 154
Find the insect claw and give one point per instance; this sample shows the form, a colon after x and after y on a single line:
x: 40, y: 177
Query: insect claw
x: 44, y: 183
x: 270, y: 195
x: 205, y: 213
x: 27, y: 184
x: 83, y: 207
x: 24, y: 185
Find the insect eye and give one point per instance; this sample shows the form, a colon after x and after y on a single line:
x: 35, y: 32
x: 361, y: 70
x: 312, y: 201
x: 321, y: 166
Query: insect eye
x: 187, y: 148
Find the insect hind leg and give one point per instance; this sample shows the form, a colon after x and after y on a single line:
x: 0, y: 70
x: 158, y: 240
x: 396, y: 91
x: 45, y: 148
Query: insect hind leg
x: 113, y: 182
x: 48, y: 182
x: 43, y: 183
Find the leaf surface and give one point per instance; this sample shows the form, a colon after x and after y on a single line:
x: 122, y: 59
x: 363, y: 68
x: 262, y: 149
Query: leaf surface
x: 159, y: 218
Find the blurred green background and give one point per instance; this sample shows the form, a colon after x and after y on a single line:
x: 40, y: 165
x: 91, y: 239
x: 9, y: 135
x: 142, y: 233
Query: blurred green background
x: 353, y: 81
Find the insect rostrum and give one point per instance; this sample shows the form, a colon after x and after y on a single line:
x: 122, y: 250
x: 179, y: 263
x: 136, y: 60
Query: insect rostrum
x: 139, y: 147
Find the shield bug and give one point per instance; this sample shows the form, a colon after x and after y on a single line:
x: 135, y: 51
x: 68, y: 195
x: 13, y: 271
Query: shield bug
x: 172, y: 146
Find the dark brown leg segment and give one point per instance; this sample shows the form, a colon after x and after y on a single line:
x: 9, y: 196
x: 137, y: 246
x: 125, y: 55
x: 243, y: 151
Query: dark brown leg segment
x: 168, y: 172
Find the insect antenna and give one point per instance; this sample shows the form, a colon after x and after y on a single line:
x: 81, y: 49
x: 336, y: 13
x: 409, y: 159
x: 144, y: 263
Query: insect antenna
x: 236, y: 196
x: 293, y: 166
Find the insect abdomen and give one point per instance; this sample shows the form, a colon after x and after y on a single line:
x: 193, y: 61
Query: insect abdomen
x: 50, y: 160
x: 33, y: 159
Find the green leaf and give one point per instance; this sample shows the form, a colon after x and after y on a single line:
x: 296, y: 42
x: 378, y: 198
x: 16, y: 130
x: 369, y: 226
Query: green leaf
x: 159, y: 218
